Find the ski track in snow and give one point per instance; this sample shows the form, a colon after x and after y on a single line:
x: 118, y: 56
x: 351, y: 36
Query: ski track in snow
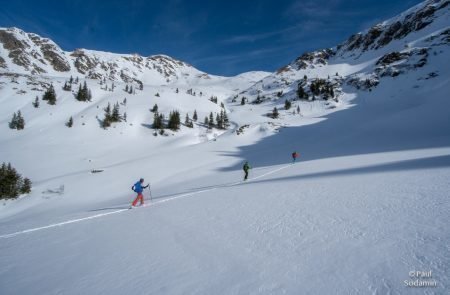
x: 167, y: 199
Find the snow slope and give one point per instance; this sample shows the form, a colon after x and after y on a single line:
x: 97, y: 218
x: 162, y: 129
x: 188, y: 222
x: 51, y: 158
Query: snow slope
x: 351, y: 219
x: 366, y: 204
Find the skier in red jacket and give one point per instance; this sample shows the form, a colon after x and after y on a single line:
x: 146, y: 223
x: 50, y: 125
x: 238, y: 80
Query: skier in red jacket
x: 294, y: 156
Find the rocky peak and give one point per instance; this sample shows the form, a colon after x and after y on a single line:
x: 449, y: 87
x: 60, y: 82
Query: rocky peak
x: 309, y: 60
x: 397, y: 28
x: 15, y: 47
x: 28, y: 53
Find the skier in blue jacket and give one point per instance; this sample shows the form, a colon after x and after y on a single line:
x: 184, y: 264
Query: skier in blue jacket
x: 139, y: 188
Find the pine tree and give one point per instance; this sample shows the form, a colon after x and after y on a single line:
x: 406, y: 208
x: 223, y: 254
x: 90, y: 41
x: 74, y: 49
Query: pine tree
x: 222, y: 105
x: 301, y: 94
x: 177, y: 119
x: 15, y: 179
x: 20, y: 121
x: 126, y: 88
x: 67, y: 86
x: 287, y: 105
x: 188, y: 121
x: 174, y: 121
x: 157, y: 94
x: 11, y: 182
x: 157, y: 121
x: 70, y: 122
x: 219, y: 122
x: 206, y: 122
x: 125, y: 117
x: 223, y: 123
x: 50, y: 95
x: 131, y: 90
x: 9, y: 179
x: 211, y: 120
x: 76, y: 80
x: 13, y: 123
x: 176, y: 91
x: 71, y: 80
x: 26, y: 186
x: 124, y: 101
x: 195, y: 117
x: 213, y: 99
x: 275, y: 113
x: 84, y: 93
x: 226, y: 122
x: 161, y: 119
x: 243, y: 100
x: 107, y: 120
x: 36, y: 102
x: 79, y: 95
x: 115, y: 116
x: 298, y: 109
x: 155, y: 108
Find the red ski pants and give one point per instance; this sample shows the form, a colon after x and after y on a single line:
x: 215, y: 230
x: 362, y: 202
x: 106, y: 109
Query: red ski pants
x: 139, y: 197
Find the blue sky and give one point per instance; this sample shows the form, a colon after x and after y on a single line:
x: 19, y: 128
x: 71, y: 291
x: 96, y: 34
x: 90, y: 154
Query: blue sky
x: 219, y: 37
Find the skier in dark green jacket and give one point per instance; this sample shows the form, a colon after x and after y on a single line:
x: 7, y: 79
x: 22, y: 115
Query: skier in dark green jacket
x: 246, y: 168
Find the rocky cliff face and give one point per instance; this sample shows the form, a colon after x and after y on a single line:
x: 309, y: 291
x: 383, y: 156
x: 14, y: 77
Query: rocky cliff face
x: 397, y: 28
x: 31, y: 54
x: 401, y: 45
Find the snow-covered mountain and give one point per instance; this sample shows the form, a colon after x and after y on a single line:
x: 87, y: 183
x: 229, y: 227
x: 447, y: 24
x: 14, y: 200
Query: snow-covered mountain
x: 29, y: 64
x: 31, y: 54
x: 414, y: 41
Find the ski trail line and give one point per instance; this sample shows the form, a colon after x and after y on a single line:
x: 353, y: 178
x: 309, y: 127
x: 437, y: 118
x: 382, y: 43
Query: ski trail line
x: 168, y: 199
x: 61, y: 223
